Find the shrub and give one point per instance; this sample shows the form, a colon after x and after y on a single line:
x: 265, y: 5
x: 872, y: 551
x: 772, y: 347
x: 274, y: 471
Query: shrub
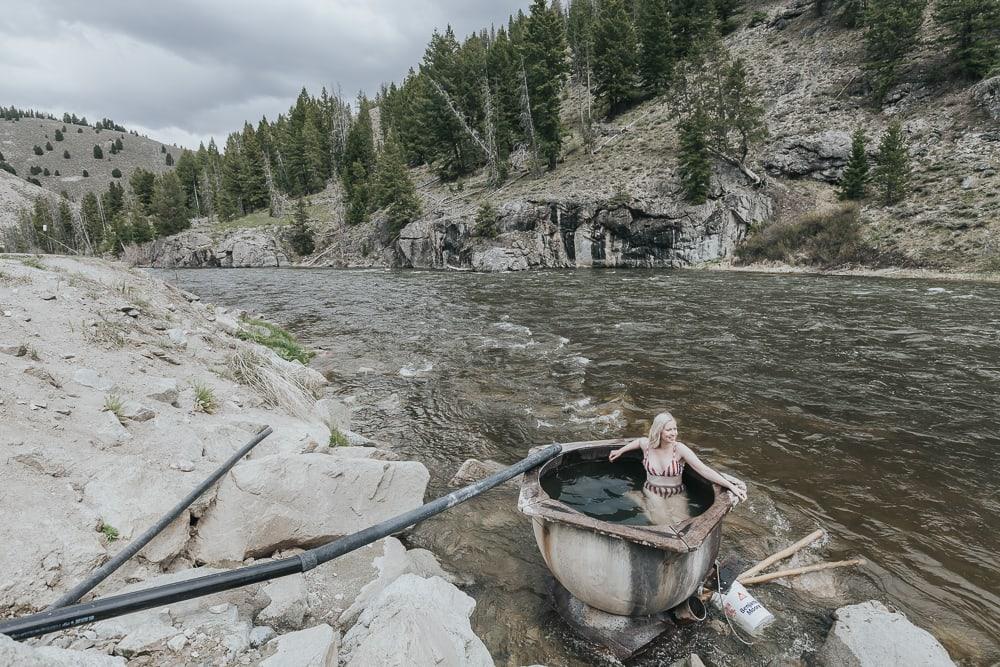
x: 56, y: 173
x: 59, y: 134
x: 98, y: 153
x: 35, y: 181
x: 163, y: 149
x: 35, y: 169
x: 116, y: 173
x: 826, y: 239
x: 86, y: 173
x: 757, y: 18
x: 486, y: 221
x: 79, y: 130
x: 274, y: 337
x: 169, y: 160
x: 337, y: 439
x: 46, y: 172
x: 204, y: 398
x: 110, y: 532
x: 65, y: 154
x: 38, y: 150
x: 9, y: 169
x: 113, y: 403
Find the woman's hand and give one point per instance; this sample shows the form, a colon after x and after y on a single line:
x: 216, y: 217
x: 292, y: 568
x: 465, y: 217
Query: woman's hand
x: 615, y: 453
x: 736, y: 486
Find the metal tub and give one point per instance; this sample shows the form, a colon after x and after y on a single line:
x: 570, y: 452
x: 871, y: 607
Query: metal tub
x: 617, y: 568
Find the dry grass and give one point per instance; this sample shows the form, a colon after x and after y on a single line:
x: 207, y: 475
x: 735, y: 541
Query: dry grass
x: 280, y: 383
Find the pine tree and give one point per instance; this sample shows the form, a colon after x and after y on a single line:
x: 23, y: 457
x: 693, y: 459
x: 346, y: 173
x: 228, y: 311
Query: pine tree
x: 113, y: 200
x: 98, y: 153
x: 891, y: 176
x: 854, y: 184
x: 253, y: 176
x: 169, y: 160
x: 229, y: 204
x: 693, y: 21
x: 544, y: 58
x: 357, y: 195
x: 66, y: 155
x: 973, y: 33
x: 695, y: 167
x: 393, y: 189
x: 656, y: 55
x: 739, y: 116
x: 301, y: 235
x: 90, y: 211
x: 360, y: 152
x: 142, y: 187
x: 169, y: 205
x: 892, y: 29
x: 59, y: 135
x: 580, y: 24
x: 615, y: 49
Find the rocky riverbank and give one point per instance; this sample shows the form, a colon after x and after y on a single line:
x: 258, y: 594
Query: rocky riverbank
x: 119, y: 394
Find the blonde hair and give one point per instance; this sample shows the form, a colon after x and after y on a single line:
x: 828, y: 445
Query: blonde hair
x: 659, y: 422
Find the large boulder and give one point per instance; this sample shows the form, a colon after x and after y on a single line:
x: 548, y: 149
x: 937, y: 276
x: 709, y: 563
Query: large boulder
x: 315, y: 647
x: 987, y: 95
x: 133, y: 496
x: 870, y: 635
x: 416, y: 622
x: 822, y: 156
x: 394, y: 562
x: 22, y: 655
x: 303, y: 500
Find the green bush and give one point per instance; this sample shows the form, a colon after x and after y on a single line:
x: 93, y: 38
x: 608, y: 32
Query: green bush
x: 66, y: 155
x: 38, y: 150
x: 86, y: 173
x: 35, y: 170
x: 116, y: 173
x: 337, y: 439
x: 274, y: 337
x: 486, y: 221
x: 46, y: 172
x: 826, y: 239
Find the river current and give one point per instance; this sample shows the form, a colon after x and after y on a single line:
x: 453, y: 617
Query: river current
x: 868, y: 406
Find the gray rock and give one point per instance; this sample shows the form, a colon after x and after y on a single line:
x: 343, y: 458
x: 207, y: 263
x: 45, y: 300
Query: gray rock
x: 395, y: 561
x: 164, y: 390
x: 986, y: 94
x: 261, y: 635
x: 968, y: 182
x: 14, y: 350
x: 109, y: 430
x: 183, y: 466
x: 822, y: 156
x: 473, y: 470
x: 260, y: 507
x: 287, y: 605
x: 316, y: 647
x: 178, y: 337
x: 870, y: 635
x: 136, y: 412
x: 333, y: 413
x: 90, y: 378
x: 416, y: 621
x: 22, y: 655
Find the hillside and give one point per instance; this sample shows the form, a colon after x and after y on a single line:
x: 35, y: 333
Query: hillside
x: 19, y: 137
x: 620, y: 204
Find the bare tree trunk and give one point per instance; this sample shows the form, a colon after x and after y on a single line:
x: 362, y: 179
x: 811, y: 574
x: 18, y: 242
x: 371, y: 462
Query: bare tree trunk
x: 460, y: 117
x: 529, y: 125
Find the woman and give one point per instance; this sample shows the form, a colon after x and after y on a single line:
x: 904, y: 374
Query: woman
x: 664, y: 458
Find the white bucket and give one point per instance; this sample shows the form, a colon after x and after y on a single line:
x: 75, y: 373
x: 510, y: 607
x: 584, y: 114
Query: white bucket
x: 743, y: 609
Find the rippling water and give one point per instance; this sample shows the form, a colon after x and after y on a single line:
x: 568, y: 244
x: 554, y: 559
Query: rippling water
x: 869, y: 406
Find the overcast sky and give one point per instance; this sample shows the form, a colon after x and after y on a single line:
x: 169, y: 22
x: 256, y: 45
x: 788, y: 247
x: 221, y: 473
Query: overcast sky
x: 184, y: 70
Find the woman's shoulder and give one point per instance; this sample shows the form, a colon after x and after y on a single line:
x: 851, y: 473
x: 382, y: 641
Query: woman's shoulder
x: 643, y: 442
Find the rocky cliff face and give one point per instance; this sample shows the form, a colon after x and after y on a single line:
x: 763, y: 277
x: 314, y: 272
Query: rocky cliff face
x: 565, y: 234
x: 194, y: 249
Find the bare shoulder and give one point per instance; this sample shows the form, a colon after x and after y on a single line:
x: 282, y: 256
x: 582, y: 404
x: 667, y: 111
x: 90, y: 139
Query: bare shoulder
x: 643, y: 442
x: 684, y: 449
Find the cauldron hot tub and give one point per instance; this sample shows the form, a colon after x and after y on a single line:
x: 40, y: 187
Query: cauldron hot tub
x: 629, y: 570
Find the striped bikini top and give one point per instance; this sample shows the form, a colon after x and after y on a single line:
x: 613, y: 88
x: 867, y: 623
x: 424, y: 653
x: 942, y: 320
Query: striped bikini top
x: 674, y: 469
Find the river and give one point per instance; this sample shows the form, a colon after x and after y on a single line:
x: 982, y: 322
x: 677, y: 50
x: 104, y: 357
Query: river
x: 868, y: 406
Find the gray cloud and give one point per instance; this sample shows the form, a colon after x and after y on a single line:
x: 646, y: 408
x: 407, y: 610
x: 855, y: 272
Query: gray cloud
x: 184, y: 70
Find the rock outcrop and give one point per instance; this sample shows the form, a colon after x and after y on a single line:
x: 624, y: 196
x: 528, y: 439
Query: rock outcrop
x: 240, y: 248
x: 419, y: 622
x: 986, y: 94
x: 257, y: 512
x: 870, y: 635
x: 15, y: 653
x: 657, y: 232
x: 821, y: 156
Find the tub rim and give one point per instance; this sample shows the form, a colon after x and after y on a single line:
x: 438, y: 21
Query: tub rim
x: 684, y: 537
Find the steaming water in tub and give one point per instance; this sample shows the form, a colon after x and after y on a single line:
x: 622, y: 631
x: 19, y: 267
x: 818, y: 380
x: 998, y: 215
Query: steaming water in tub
x: 613, y: 492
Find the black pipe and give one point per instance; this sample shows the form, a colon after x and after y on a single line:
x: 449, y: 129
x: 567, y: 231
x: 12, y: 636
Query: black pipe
x: 118, y: 605
x: 138, y: 543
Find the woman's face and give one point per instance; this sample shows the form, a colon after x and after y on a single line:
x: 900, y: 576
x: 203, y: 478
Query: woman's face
x: 668, y: 435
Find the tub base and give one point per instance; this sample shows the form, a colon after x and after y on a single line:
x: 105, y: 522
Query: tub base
x: 622, y: 636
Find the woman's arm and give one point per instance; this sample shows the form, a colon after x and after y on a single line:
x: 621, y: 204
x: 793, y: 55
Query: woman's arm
x: 635, y: 444
x: 738, y: 488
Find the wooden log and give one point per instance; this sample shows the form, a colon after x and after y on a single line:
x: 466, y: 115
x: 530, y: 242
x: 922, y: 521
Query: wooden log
x: 783, y: 554
x: 794, y: 572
